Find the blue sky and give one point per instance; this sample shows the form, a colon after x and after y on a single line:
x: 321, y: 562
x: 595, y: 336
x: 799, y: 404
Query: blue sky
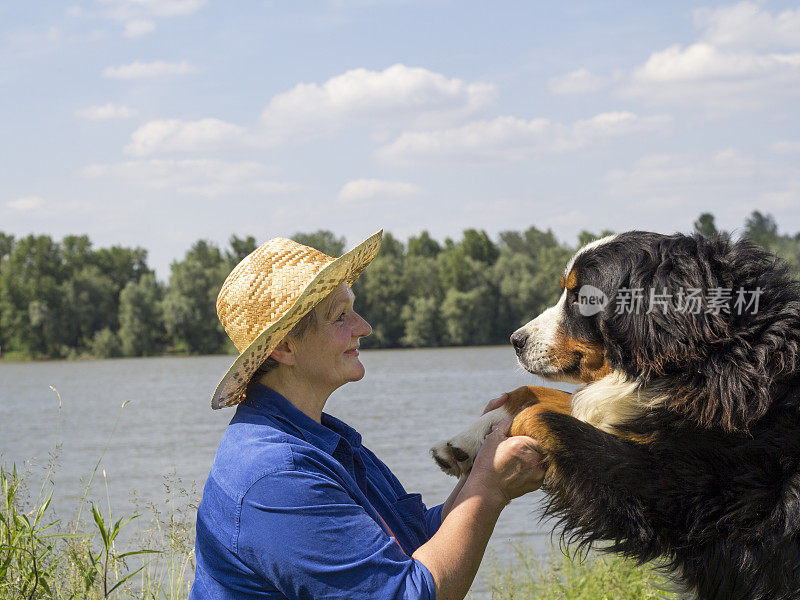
x: 159, y: 122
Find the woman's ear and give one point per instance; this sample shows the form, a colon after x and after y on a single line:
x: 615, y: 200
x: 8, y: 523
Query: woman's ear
x: 284, y: 353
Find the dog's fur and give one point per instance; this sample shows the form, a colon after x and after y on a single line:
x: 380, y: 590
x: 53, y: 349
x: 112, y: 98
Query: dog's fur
x: 682, y: 441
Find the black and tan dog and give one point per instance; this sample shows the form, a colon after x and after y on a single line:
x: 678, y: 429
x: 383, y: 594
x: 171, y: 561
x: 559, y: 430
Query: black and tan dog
x: 682, y: 441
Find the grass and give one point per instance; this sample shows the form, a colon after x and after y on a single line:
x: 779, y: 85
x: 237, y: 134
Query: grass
x: 569, y: 576
x: 42, y: 557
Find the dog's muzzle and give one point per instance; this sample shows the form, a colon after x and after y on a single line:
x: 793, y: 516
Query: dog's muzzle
x: 518, y: 340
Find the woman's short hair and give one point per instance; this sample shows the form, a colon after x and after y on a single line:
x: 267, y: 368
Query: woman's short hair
x: 307, y: 321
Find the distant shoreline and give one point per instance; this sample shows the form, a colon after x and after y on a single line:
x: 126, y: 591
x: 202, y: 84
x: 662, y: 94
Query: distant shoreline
x: 4, y: 359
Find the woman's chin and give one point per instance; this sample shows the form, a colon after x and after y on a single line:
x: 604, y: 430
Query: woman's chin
x: 359, y: 372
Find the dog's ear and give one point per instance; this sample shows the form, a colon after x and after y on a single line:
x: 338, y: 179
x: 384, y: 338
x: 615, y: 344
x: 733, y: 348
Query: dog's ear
x: 713, y: 363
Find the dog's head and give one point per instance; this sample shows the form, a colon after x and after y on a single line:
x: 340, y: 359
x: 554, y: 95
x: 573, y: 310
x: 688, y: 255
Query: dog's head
x: 711, y: 323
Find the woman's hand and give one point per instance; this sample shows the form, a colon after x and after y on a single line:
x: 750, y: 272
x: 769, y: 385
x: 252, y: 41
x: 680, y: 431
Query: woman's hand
x: 507, y: 466
x: 495, y: 403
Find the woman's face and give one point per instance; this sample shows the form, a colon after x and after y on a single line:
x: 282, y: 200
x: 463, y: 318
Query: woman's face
x: 327, y: 355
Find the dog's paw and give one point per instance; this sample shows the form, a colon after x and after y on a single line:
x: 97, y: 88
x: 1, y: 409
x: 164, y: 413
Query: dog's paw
x: 455, y: 455
x: 451, y: 459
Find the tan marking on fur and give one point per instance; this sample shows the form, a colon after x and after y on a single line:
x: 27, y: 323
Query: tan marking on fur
x: 638, y: 438
x: 536, y: 401
x: 572, y: 280
x: 562, y: 283
x: 528, y: 395
x: 529, y: 422
x: 592, y: 364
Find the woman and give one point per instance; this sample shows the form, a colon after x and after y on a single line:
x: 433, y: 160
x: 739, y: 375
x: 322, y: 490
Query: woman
x: 294, y: 506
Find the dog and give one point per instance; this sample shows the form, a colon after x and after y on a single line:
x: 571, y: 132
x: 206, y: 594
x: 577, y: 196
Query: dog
x: 681, y: 441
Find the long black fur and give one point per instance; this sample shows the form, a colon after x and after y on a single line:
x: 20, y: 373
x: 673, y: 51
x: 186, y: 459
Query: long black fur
x: 712, y: 483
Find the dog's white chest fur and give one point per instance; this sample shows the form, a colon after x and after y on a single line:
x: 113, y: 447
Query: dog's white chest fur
x: 607, y: 402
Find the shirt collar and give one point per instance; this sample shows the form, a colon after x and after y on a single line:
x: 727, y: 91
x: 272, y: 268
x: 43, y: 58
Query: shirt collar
x: 325, y: 436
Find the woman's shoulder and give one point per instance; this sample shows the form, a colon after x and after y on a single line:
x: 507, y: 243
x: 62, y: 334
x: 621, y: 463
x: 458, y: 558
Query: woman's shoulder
x: 248, y: 453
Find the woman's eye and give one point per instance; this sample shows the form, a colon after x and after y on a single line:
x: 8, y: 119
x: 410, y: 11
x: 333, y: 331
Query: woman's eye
x: 341, y: 317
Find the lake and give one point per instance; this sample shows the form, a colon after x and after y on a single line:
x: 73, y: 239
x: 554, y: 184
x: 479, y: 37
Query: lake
x: 408, y: 401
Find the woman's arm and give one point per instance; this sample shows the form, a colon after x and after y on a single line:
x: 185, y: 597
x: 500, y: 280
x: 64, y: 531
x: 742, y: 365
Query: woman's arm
x: 448, y: 504
x: 504, y: 468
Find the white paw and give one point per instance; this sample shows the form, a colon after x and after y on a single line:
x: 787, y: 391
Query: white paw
x: 455, y: 455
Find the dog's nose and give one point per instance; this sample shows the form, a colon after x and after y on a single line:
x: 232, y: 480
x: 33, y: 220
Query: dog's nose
x: 518, y: 340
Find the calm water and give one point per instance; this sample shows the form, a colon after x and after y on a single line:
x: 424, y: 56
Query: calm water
x: 409, y: 400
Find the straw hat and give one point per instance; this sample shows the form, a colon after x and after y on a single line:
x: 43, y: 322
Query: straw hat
x: 269, y: 292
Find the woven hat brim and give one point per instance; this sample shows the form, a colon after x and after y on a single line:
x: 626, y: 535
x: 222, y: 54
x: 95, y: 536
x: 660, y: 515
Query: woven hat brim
x: 231, y: 389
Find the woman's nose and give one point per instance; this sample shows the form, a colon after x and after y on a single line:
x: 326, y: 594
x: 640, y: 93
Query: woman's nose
x: 363, y: 328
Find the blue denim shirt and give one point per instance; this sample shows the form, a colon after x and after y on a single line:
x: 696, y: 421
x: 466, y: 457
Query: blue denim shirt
x: 297, y: 509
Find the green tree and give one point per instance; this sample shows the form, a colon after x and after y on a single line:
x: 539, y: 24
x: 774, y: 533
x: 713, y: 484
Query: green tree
x: 422, y: 322
x: 6, y: 244
x: 239, y: 248
x: 190, y: 314
x: 122, y: 264
x: 91, y: 287
x: 76, y: 252
x: 381, y: 293
x: 587, y: 237
x: 761, y: 228
x: 392, y: 247
x: 423, y: 245
x: 466, y: 273
x: 468, y: 316
x: 457, y: 270
x: 527, y: 275
x: 705, y: 225
x: 478, y: 246
x: 6, y: 247
x: 89, y: 304
x: 141, y: 317
x: 323, y: 240
x: 30, y: 298
x: 421, y: 277
x: 105, y: 344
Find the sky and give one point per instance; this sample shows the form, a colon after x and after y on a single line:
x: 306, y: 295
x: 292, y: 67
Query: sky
x: 156, y: 123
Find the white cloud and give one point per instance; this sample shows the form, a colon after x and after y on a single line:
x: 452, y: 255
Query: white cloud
x: 139, y: 27
x: 35, y: 38
x: 580, y: 81
x: 173, y: 135
x: 512, y: 138
x: 138, y: 17
x: 679, y: 172
x: 201, y: 177
x: 744, y: 58
x: 140, y: 70
x: 107, y: 112
x: 703, y: 61
x: 381, y: 101
x: 26, y: 204
x: 362, y: 190
x: 786, y: 147
x: 396, y: 95
x: 156, y: 8
x: 747, y: 25
x: 726, y: 179
x: 785, y: 199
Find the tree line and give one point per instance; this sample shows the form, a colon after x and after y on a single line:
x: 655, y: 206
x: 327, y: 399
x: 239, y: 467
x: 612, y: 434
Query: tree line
x: 67, y: 300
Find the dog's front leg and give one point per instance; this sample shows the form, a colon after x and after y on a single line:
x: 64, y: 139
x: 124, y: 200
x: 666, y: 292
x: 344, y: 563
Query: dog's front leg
x: 455, y: 455
x: 599, y: 486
